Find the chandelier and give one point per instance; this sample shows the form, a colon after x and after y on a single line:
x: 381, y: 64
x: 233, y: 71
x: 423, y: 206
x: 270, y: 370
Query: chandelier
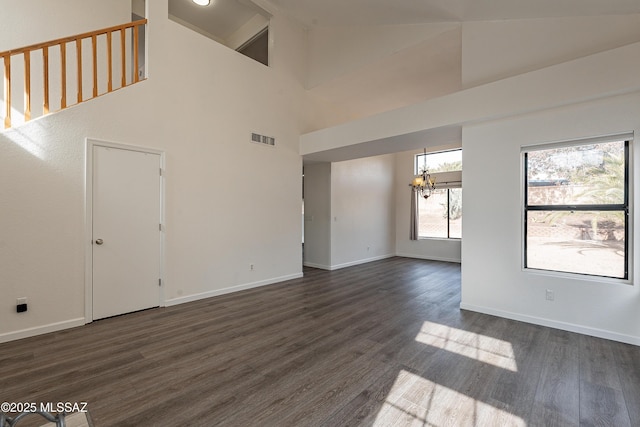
x: 423, y: 184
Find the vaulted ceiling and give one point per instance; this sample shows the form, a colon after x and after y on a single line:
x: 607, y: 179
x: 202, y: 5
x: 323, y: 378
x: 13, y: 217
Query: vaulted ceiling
x: 393, y: 12
x: 393, y: 75
x: 223, y: 16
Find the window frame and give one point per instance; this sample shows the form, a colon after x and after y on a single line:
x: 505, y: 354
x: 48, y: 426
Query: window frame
x: 418, y: 163
x: 625, y: 206
x: 448, y: 218
x: 416, y: 167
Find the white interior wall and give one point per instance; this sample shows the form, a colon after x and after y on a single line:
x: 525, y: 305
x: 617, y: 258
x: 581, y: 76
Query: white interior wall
x: 138, y: 7
x: 41, y: 184
x: 200, y: 105
x: 16, y: 34
x: 362, y: 210
x: 287, y: 56
x: 435, y: 249
x: 56, y: 19
x: 494, y: 50
x: 344, y: 224
x: 493, y: 255
x: 41, y: 167
x: 493, y: 280
x: 218, y: 227
x: 317, y: 215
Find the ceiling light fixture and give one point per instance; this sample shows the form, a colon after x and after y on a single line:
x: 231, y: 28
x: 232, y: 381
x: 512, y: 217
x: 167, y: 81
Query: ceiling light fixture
x: 423, y: 184
x: 202, y: 2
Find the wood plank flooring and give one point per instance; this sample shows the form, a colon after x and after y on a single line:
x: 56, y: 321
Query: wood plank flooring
x: 379, y: 344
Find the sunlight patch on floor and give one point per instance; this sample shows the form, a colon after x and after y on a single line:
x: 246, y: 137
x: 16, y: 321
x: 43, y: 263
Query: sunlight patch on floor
x: 469, y: 344
x: 416, y: 401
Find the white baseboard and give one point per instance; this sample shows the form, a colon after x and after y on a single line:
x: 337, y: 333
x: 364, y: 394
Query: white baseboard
x: 53, y: 327
x: 39, y: 330
x: 361, y: 261
x: 348, y: 264
x: 217, y: 292
x: 571, y: 327
x: 430, y: 258
x: 320, y: 266
x: 364, y: 261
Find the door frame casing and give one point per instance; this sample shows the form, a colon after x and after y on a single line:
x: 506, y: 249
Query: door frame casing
x: 90, y: 143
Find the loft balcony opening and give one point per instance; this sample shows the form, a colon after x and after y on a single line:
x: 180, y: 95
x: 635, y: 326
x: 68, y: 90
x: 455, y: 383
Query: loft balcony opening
x: 239, y: 25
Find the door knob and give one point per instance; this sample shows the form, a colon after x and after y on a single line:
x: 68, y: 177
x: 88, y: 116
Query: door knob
x: 99, y: 241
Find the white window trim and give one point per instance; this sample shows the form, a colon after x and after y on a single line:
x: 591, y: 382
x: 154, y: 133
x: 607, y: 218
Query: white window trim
x: 526, y: 148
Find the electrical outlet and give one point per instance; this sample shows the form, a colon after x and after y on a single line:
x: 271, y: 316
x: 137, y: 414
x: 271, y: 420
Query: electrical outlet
x: 549, y: 295
x: 21, y: 305
x: 251, y: 267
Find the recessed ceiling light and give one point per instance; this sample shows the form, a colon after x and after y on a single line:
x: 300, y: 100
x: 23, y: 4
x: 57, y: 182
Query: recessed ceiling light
x: 202, y: 2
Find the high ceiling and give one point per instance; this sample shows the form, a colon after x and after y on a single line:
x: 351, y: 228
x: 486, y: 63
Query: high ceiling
x: 219, y: 19
x: 428, y: 68
x: 391, y: 12
x: 222, y: 17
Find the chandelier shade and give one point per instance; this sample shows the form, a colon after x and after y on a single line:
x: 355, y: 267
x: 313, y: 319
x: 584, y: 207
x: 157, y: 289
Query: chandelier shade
x: 424, y: 184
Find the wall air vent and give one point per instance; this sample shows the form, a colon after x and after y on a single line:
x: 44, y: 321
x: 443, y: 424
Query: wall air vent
x: 262, y: 139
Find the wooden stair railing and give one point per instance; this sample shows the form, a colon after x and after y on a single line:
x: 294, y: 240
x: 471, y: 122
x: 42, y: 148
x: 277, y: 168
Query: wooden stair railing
x: 126, y: 31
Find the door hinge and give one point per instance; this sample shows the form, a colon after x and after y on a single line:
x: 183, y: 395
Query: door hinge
x: 159, y: 282
x: 160, y: 171
x: 160, y: 227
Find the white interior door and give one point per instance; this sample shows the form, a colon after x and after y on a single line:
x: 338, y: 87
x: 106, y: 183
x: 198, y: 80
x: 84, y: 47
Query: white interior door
x: 126, y: 234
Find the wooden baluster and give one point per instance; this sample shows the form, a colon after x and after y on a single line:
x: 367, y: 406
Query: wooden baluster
x: 123, y: 55
x: 79, y: 57
x: 135, y: 54
x: 45, y: 72
x: 63, y: 75
x: 26, y: 51
x: 95, y: 65
x: 27, y: 86
x: 109, y: 64
x: 7, y: 90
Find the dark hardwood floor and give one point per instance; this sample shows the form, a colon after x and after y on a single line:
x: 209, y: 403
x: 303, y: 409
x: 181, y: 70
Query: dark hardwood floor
x: 383, y: 344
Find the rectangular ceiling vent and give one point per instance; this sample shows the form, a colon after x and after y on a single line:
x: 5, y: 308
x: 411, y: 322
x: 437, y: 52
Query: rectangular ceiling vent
x: 262, y: 139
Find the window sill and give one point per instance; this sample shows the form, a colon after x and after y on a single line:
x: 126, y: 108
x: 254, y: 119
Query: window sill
x: 445, y: 239
x: 579, y: 276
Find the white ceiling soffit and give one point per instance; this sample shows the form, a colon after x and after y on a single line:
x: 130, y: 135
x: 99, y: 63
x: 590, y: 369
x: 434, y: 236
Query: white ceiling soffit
x: 437, y: 138
x: 592, y: 78
x: 394, y: 12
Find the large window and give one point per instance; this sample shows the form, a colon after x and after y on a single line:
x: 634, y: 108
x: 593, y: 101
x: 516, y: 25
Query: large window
x: 440, y: 215
x: 576, y: 207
